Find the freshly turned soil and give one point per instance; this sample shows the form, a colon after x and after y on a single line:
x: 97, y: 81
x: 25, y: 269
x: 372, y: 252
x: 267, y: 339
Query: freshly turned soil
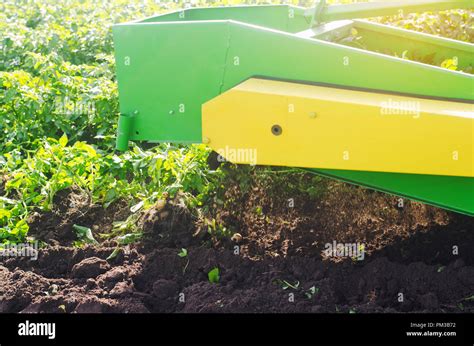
x: 408, y: 252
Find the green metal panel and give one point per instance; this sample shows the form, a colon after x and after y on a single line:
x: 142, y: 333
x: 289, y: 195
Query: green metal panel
x: 279, y: 55
x: 167, y: 66
x: 331, y: 31
x: 165, y: 72
x: 278, y: 17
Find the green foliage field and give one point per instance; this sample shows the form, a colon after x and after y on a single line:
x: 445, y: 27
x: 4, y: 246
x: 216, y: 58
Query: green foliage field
x: 58, y: 111
x: 59, y: 108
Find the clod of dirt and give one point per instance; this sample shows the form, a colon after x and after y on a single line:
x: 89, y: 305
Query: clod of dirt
x: 94, y: 305
x: 169, y: 224
x: 122, y: 289
x: 236, y: 238
x: 91, y: 283
x: 89, y: 268
x: 17, y: 289
x: 110, y: 278
x: 163, y: 289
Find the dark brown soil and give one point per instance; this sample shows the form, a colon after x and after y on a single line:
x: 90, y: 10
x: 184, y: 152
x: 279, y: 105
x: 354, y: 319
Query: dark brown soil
x: 3, y: 181
x: 73, y: 207
x: 279, y: 268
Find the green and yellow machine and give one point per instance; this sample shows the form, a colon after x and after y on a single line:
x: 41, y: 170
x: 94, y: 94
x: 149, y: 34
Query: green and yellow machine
x: 288, y: 84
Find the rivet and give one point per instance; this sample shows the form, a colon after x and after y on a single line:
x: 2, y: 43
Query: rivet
x: 276, y: 130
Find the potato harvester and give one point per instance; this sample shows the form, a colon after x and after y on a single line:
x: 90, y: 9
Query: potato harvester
x: 314, y: 88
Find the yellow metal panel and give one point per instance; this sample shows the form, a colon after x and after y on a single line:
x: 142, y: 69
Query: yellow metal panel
x: 333, y: 128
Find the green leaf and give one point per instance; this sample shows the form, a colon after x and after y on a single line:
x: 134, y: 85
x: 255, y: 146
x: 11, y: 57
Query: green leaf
x: 113, y: 254
x: 213, y: 276
x: 110, y: 195
x: 129, y: 238
x: 84, y: 234
x: 285, y: 284
x: 63, y: 140
x: 450, y: 64
x: 4, y: 213
x: 183, y: 253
